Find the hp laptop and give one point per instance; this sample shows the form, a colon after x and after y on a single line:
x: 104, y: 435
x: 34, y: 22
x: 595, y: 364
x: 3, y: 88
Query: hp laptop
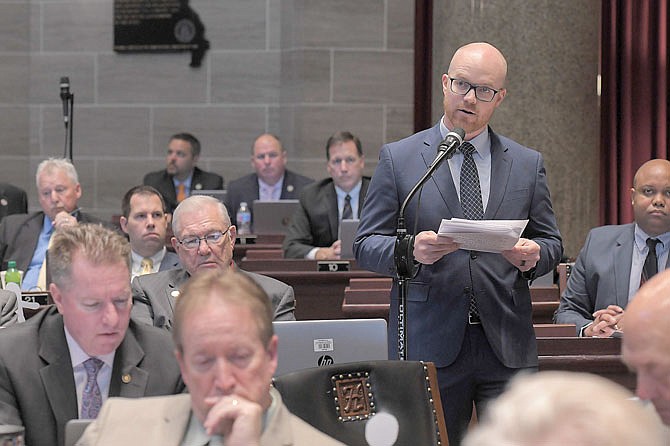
x: 273, y: 217
x: 305, y: 344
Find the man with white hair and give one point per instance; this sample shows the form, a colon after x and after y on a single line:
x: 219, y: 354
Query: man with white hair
x: 563, y: 408
x: 25, y: 237
x: 204, y: 238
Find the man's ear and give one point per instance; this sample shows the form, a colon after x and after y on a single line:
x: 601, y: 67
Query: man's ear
x: 123, y: 221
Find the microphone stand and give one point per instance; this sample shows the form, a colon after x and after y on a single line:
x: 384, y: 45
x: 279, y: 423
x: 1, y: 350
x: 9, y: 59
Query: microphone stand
x: 403, y: 256
x: 69, y: 121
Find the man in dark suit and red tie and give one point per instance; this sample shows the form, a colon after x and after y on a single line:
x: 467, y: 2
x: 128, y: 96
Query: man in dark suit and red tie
x: 469, y: 312
x: 181, y: 176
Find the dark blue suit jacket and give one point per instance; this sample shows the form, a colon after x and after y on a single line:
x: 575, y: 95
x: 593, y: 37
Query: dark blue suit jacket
x: 437, y: 305
x: 246, y: 189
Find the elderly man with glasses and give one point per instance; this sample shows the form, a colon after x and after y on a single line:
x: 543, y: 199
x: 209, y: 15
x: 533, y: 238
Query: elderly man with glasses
x: 203, y: 239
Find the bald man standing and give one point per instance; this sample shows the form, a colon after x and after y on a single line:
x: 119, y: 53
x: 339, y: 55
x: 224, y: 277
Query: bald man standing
x: 617, y: 259
x: 469, y: 312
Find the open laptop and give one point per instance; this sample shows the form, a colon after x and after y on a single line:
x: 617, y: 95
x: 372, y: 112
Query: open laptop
x: 348, y: 230
x: 273, y: 217
x: 306, y: 344
x: 219, y: 194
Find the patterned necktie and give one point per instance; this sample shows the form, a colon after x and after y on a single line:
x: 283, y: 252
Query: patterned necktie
x: 91, y: 400
x: 181, y: 192
x: 146, y: 266
x: 471, y: 192
x: 651, y: 262
x: 473, y: 209
x: 347, y: 212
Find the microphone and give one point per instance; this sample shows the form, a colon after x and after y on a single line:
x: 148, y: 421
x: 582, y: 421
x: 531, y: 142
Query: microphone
x: 65, y: 96
x: 449, y: 145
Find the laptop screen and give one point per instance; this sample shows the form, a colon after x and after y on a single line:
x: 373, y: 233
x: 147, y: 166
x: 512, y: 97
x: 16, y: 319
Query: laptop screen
x: 219, y: 194
x: 306, y: 344
x: 348, y: 230
x: 273, y: 217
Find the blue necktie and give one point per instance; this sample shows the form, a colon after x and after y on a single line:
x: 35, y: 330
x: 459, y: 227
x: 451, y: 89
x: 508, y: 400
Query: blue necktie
x: 91, y: 400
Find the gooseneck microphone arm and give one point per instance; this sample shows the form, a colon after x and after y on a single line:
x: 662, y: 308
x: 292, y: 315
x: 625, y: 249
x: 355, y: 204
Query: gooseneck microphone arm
x: 403, y: 255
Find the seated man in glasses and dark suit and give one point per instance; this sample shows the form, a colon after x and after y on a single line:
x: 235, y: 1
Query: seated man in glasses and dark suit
x: 204, y: 239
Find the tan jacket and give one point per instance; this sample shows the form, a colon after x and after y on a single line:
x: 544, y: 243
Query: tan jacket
x: 162, y: 421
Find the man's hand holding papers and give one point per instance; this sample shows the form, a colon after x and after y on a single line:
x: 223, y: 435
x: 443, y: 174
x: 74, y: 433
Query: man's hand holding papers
x: 496, y: 236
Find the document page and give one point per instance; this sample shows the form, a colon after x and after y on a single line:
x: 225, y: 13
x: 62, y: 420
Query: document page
x: 483, y: 235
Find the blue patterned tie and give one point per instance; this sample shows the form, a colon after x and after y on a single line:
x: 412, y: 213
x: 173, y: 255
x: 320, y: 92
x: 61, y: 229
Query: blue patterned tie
x: 91, y: 400
x: 471, y: 191
x: 471, y: 202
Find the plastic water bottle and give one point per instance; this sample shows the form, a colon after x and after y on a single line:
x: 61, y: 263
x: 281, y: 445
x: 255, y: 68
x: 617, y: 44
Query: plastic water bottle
x: 12, y: 274
x: 243, y: 219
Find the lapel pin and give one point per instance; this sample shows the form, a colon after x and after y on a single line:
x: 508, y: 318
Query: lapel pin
x: 126, y: 378
x: 289, y: 188
x: 198, y: 186
x: 174, y: 293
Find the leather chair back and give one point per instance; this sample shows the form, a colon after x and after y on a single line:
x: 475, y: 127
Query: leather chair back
x: 340, y: 399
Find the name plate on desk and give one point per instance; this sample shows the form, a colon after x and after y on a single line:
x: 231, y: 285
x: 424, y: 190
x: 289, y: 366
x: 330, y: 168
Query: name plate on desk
x: 332, y: 266
x: 38, y: 297
x: 246, y: 239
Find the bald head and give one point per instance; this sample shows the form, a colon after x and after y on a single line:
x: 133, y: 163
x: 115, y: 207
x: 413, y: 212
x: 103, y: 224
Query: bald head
x: 646, y: 344
x: 481, y: 54
x: 650, y: 196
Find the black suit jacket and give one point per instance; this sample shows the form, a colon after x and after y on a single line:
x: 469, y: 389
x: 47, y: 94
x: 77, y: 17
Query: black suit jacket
x: 37, y: 388
x: 246, y: 189
x: 19, y: 235
x: 163, y: 183
x: 316, y: 222
x: 13, y: 200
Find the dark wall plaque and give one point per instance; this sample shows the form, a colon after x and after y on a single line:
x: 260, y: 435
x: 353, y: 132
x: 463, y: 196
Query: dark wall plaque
x: 159, y: 25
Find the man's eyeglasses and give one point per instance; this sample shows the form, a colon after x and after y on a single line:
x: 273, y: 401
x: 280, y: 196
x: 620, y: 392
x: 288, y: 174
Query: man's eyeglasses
x: 212, y: 239
x: 482, y: 92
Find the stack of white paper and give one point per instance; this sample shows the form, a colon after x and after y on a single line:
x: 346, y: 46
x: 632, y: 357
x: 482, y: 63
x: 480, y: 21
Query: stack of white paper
x: 483, y: 235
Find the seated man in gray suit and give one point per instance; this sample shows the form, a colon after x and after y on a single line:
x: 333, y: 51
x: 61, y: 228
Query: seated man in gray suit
x: 271, y: 180
x: 204, y: 240
x: 25, y: 237
x: 314, y: 230
x: 227, y: 353
x: 145, y: 222
x: 65, y: 361
x: 13, y: 200
x: 616, y: 260
x: 181, y: 175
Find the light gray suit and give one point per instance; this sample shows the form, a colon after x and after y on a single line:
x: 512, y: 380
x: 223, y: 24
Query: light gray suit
x: 8, y: 307
x: 162, y: 421
x: 37, y: 388
x: 600, y: 276
x: 170, y: 261
x: 155, y: 295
